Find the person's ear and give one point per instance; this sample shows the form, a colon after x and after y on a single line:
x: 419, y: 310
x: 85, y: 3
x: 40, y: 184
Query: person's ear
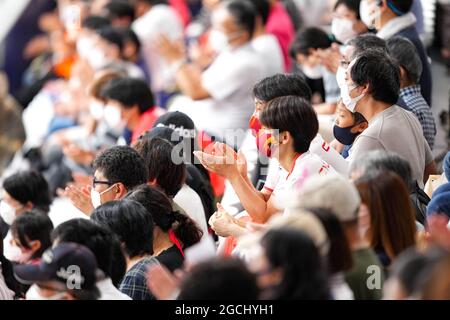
x: 285, y: 136
x: 360, y: 127
x: 365, y: 89
x: 382, y: 5
x: 152, y: 182
x: 403, y: 73
x: 35, y: 245
x: 119, y: 190
x: 276, y: 276
x: 28, y: 206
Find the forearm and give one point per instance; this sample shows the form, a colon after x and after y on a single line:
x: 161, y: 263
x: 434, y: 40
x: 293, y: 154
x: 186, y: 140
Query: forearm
x: 189, y: 79
x: 252, y: 200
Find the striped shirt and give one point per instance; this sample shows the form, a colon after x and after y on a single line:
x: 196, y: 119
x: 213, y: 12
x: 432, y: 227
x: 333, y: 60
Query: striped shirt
x: 416, y: 104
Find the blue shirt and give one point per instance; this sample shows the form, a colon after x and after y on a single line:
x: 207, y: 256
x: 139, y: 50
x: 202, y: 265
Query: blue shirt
x: 416, y: 104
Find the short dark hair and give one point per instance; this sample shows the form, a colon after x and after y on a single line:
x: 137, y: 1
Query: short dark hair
x: 262, y: 8
x: 339, y: 255
x: 400, y: 7
x: 33, y: 225
x: 405, y: 54
x: 219, y: 278
x: 157, y: 153
x: 352, y: 5
x: 122, y: 164
x: 296, y: 254
x: 380, y: 73
x: 244, y: 14
x: 95, y: 22
x: 100, y: 240
x: 129, y: 92
x: 309, y: 38
x: 281, y: 85
x: 367, y: 42
x: 358, y: 117
x: 131, y: 222
x: 29, y: 186
x: 120, y: 9
x: 112, y: 36
x: 295, y: 115
x: 153, y: 2
x: 128, y: 34
x: 160, y: 208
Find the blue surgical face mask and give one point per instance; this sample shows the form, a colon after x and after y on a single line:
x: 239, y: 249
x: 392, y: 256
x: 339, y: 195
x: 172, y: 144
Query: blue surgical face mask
x: 344, y: 135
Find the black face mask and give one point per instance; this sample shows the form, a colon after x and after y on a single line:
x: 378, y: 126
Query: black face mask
x: 344, y: 135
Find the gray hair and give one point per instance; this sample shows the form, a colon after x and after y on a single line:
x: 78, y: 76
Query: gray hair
x: 381, y: 160
x: 367, y: 42
x: 405, y: 55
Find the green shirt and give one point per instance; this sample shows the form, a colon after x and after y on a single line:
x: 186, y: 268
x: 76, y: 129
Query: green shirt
x: 367, y: 276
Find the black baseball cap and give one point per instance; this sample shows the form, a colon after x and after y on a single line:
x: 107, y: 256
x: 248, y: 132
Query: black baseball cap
x: 177, y: 121
x: 67, y: 263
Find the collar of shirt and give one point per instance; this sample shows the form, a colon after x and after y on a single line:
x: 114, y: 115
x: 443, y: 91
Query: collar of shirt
x: 410, y: 91
x: 396, y: 25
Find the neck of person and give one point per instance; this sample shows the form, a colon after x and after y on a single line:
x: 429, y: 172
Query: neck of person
x: 259, y: 30
x: 386, y: 18
x: 287, y: 160
x: 373, y: 107
x: 355, y: 240
x: 133, y: 123
x: 161, y: 241
x: 405, y: 83
x: 132, y: 261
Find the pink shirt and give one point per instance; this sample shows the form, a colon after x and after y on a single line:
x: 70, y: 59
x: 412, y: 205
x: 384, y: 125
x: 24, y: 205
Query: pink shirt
x: 280, y: 25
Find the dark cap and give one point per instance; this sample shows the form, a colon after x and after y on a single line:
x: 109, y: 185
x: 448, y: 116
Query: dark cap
x: 71, y: 264
x: 179, y: 122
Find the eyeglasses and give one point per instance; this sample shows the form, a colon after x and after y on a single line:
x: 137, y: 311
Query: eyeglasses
x: 344, y: 64
x: 95, y: 182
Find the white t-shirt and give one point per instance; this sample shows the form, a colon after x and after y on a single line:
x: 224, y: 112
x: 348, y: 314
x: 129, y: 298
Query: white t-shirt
x: 399, y: 131
x: 109, y: 292
x: 306, y: 165
x: 318, y: 147
x: 191, y: 203
x: 321, y: 148
x: 160, y: 20
x: 339, y: 288
x: 229, y: 81
x: 5, y: 292
x: 268, y: 47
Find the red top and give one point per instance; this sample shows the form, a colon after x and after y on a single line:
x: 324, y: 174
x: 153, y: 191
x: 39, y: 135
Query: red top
x: 146, y: 122
x: 182, y: 10
x: 280, y: 25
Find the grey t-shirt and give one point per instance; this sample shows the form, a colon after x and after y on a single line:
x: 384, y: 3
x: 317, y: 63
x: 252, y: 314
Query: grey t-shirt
x: 399, y: 131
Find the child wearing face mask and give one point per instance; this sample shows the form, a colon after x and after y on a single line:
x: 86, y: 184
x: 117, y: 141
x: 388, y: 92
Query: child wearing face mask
x: 347, y: 128
x: 31, y: 235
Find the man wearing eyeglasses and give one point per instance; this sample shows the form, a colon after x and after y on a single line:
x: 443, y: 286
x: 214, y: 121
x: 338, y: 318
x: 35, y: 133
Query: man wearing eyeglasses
x: 116, y: 171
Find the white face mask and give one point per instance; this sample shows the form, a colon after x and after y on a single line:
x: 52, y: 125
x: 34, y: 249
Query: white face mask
x: 340, y: 76
x: 34, y: 294
x: 111, y: 115
x: 349, y: 102
x: 369, y: 12
x: 98, y: 59
x: 312, y: 73
x: 96, y: 197
x: 343, y: 29
x: 218, y: 41
x: 84, y: 47
x: 96, y: 110
x: 7, y: 212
